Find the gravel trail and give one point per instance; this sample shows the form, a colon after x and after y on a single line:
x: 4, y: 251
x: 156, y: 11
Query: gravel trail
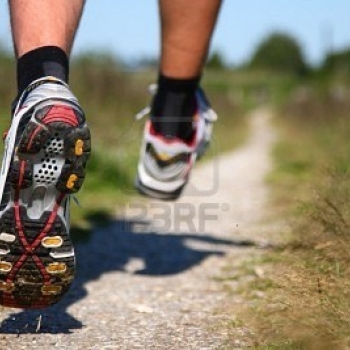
x: 148, y: 278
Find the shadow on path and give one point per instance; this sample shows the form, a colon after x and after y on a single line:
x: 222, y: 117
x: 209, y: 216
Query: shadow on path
x: 107, y: 248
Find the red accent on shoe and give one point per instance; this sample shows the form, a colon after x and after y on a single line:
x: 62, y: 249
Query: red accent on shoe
x: 21, y: 173
x: 30, y: 249
x: 32, y: 136
x: 61, y: 114
x: 169, y: 141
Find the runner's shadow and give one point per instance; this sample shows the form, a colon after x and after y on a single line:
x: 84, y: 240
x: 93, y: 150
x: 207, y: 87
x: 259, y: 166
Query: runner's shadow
x: 109, y: 248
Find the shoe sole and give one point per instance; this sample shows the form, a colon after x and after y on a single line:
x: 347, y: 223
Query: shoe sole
x: 37, y: 262
x: 155, y: 194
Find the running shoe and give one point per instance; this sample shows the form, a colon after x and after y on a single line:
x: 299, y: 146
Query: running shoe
x: 165, y: 163
x: 46, y: 149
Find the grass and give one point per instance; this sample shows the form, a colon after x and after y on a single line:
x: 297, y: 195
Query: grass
x: 304, y: 299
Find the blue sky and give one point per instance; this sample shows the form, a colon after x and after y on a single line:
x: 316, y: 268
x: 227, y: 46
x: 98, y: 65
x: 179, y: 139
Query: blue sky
x: 130, y: 28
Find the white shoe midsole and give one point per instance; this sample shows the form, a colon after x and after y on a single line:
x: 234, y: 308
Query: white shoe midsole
x: 152, y: 183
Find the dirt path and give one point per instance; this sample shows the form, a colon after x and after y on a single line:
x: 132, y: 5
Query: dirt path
x: 147, y: 280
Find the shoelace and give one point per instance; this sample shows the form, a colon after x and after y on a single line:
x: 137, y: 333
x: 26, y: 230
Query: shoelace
x: 152, y: 89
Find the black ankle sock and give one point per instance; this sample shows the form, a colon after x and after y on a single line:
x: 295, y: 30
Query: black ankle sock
x: 174, y: 106
x: 41, y: 62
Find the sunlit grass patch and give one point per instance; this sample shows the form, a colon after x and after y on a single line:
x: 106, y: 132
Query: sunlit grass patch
x: 307, y: 302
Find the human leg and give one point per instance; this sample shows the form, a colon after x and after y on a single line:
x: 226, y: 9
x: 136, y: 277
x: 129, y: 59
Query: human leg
x: 46, y: 150
x: 186, y: 27
x: 38, y: 23
x: 186, y: 30
x: 181, y: 117
x: 43, y: 33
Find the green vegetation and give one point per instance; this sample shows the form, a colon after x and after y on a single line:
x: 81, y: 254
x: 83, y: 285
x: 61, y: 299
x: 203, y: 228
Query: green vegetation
x: 279, y: 52
x: 303, y: 302
x: 216, y: 62
x: 337, y: 63
x: 314, y: 160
